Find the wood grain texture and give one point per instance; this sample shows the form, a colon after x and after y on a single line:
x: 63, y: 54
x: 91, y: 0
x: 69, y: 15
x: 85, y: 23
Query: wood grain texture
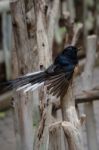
x: 87, y: 84
x: 23, y: 62
x: 72, y: 126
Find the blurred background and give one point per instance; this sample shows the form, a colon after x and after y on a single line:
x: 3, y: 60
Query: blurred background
x: 84, y: 11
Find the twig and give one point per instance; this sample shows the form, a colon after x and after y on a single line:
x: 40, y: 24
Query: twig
x: 77, y: 32
x: 41, y: 125
x: 89, y: 96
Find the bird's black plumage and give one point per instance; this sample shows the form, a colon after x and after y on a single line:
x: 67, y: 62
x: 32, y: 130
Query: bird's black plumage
x: 56, y: 77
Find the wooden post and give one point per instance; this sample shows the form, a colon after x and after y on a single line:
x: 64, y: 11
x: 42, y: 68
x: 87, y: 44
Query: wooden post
x: 87, y: 83
x: 56, y: 137
x: 7, y: 30
x: 53, y: 20
x: 71, y: 9
x: 84, y: 19
x: 45, y: 35
x: 72, y: 124
x: 23, y: 62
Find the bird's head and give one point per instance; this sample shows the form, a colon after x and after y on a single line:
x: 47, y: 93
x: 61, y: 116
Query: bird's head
x: 71, y: 53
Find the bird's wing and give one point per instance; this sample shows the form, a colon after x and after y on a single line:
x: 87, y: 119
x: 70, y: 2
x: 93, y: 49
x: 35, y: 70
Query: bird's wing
x: 54, y: 78
x: 58, y: 84
x: 51, y: 69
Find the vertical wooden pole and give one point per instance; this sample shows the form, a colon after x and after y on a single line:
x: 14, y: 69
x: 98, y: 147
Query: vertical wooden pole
x: 72, y: 124
x: 85, y: 32
x: 71, y: 9
x: 6, y: 27
x: 23, y: 61
x: 45, y: 35
x: 87, y: 83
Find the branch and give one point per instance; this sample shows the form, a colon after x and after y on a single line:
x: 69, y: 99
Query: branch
x: 72, y: 124
x: 87, y: 96
x: 56, y: 137
x: 71, y: 8
x: 53, y: 19
x: 41, y: 125
x: 77, y: 31
x: 66, y: 21
x: 42, y: 37
x: 72, y: 135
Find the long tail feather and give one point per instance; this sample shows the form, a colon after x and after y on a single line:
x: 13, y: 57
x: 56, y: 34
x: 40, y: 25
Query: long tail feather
x: 57, y: 84
x: 24, y: 82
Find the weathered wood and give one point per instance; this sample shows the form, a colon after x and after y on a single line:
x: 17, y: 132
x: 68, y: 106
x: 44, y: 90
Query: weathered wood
x: 1, y: 56
x: 41, y: 140
x: 97, y: 20
x: 22, y: 50
x: 64, y: 8
x: 64, y: 144
x: 87, y: 84
x: 57, y: 113
x: 73, y: 139
x: 7, y: 31
x: 89, y: 96
x: 77, y: 32
x: 4, y: 6
x: 5, y: 101
x: 42, y: 39
x: 71, y: 9
x: 69, y: 112
x: 53, y: 20
x: 31, y: 26
x: 22, y: 63
x: 70, y: 115
x: 55, y: 137
x: 45, y: 34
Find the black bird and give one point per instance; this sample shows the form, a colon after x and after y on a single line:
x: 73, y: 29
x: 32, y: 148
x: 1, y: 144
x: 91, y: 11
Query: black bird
x: 56, y: 77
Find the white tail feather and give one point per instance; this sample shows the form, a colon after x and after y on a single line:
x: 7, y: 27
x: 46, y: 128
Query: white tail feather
x: 39, y: 85
x: 33, y: 87
x: 22, y: 87
x: 29, y: 88
x: 33, y: 73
